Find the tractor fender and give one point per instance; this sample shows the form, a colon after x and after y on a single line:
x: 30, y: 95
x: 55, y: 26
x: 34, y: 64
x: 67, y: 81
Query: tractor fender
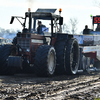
x: 15, y: 61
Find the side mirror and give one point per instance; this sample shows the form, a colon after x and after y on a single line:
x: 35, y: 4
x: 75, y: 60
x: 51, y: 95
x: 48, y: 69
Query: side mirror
x: 12, y: 19
x: 61, y: 21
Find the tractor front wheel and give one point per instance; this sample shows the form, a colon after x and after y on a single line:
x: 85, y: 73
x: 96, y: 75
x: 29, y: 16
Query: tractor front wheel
x: 45, y: 61
x: 5, y: 51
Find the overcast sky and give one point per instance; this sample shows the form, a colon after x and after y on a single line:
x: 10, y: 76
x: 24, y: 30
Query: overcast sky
x: 80, y: 9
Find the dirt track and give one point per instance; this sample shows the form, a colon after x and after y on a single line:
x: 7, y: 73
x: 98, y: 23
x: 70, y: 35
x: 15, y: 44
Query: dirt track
x: 65, y: 87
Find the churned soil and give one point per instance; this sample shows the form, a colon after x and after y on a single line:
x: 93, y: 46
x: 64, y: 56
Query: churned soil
x: 83, y: 86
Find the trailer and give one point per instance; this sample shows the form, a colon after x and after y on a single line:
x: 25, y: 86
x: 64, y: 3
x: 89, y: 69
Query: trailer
x: 90, y: 47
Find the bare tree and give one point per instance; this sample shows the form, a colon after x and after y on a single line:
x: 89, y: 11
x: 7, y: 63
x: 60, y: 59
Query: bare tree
x: 73, y: 25
x: 65, y: 28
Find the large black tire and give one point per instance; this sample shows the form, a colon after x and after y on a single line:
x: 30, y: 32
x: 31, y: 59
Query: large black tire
x: 60, y: 47
x: 0, y: 48
x: 5, y: 51
x: 45, y: 61
x: 72, y: 57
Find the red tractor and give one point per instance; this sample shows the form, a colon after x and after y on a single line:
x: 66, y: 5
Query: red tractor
x: 49, y: 53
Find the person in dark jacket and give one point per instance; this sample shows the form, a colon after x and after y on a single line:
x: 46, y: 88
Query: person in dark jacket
x: 98, y: 27
x: 40, y: 28
x: 86, y: 30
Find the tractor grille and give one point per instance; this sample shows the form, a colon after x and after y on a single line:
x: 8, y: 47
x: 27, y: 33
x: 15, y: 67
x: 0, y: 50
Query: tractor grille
x: 24, y: 43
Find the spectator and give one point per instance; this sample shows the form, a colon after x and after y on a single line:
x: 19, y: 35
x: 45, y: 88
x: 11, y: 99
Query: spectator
x: 98, y: 27
x: 86, y: 30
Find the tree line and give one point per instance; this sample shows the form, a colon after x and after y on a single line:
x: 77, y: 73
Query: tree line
x: 71, y: 28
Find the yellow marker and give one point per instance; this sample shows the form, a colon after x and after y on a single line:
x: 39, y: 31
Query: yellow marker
x: 60, y: 10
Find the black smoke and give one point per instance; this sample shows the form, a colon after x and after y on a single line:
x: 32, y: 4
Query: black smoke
x: 30, y: 3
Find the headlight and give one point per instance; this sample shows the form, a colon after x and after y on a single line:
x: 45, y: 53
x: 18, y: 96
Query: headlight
x: 20, y: 49
x: 27, y: 50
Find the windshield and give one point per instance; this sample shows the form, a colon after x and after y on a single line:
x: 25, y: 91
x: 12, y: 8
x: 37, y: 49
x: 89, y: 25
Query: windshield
x: 45, y: 23
x: 49, y: 25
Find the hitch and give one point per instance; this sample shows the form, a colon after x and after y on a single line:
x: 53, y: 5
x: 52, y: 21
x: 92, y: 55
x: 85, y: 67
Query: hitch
x: 19, y: 47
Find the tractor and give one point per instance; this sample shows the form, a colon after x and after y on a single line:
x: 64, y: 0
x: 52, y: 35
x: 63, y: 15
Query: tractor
x: 49, y: 53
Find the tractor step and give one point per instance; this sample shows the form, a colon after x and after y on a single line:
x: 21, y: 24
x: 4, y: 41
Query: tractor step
x: 90, y: 69
x: 79, y: 71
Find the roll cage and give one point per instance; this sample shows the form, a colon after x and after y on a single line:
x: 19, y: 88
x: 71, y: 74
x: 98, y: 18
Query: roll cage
x: 33, y: 16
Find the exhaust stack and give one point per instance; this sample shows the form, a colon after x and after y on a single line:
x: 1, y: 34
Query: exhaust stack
x: 29, y: 9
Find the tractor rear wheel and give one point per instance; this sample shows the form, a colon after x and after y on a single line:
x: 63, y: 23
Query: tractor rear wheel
x: 5, y: 52
x: 60, y: 47
x: 45, y: 61
x: 72, y: 57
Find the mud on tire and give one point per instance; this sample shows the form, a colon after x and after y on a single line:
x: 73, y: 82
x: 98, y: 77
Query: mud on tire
x: 45, y: 61
x: 72, y: 56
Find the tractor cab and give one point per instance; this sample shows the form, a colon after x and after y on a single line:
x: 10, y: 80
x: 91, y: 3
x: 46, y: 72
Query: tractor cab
x: 32, y: 35
x: 51, y: 21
